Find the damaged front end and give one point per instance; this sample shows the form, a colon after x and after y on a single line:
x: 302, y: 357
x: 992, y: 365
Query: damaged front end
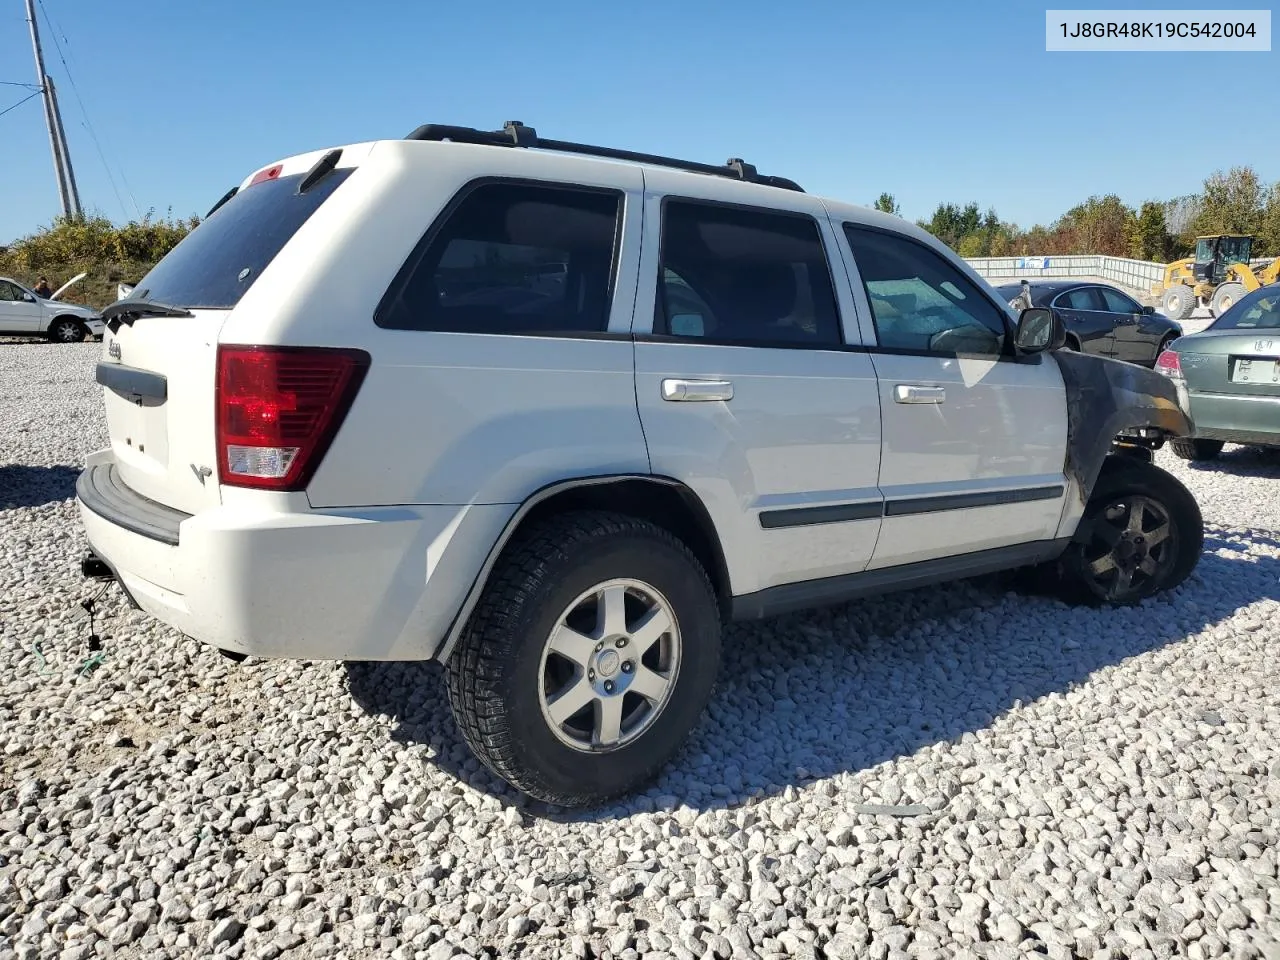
x: 1114, y: 408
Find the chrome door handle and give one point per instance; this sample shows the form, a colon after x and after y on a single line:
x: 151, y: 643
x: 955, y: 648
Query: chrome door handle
x: 696, y: 390
x: 908, y: 393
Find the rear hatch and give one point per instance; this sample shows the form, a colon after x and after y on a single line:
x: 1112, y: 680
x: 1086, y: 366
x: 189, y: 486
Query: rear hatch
x: 159, y: 371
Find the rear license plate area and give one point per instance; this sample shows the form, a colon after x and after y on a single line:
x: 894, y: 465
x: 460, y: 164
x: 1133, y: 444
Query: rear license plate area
x: 1255, y: 369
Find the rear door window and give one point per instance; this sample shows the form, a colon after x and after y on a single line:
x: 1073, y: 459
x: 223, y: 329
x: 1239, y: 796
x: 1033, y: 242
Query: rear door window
x: 513, y: 258
x: 217, y: 262
x: 1085, y: 298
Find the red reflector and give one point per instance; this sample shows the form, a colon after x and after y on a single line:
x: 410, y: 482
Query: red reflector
x: 278, y: 409
x: 268, y: 174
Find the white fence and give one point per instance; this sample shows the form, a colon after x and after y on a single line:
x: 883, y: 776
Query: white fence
x: 1142, y: 276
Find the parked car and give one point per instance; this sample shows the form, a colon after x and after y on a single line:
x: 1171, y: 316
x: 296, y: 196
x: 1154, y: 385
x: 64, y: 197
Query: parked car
x: 1228, y: 376
x: 742, y: 400
x: 1101, y: 319
x: 23, y: 313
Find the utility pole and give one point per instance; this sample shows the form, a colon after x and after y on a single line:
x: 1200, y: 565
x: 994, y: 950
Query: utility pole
x: 69, y: 173
x: 57, y: 143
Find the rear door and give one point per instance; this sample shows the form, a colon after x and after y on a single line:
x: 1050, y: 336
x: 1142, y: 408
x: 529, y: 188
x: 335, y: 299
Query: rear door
x: 1131, y: 341
x: 746, y: 390
x: 160, y: 371
x: 17, y: 315
x: 1084, y: 313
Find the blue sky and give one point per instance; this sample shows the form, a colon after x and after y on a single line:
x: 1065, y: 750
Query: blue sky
x: 930, y: 101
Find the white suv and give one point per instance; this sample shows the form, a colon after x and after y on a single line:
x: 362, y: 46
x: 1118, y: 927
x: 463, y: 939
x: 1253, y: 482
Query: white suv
x: 357, y: 415
x: 25, y: 313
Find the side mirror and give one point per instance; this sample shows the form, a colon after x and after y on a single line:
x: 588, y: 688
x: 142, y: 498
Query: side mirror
x: 28, y: 298
x: 1148, y: 311
x: 1039, y: 329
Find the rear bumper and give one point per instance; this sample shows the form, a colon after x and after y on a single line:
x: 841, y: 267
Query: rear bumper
x: 1236, y: 418
x: 356, y: 584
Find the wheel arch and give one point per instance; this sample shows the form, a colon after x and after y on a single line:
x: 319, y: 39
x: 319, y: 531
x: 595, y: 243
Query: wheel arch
x: 1106, y: 398
x: 666, y: 502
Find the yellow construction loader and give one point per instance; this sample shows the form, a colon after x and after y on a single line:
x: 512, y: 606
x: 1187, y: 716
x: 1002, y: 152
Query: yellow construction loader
x: 1216, y: 277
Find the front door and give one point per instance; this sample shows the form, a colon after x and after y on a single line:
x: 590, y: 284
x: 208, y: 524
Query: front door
x: 17, y: 313
x: 974, y: 439
x: 746, y: 392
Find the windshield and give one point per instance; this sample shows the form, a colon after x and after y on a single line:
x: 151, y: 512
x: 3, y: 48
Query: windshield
x: 217, y: 262
x: 1259, y: 310
x: 1236, y: 249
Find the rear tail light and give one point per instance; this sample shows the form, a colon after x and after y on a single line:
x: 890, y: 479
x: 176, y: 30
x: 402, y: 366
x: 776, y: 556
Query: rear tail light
x: 1169, y: 364
x: 278, y: 409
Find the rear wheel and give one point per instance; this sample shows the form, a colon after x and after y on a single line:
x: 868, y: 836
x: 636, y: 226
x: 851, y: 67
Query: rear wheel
x: 1196, y: 449
x: 67, y: 330
x: 1225, y: 297
x: 1144, y: 533
x: 1178, y: 302
x: 589, y: 659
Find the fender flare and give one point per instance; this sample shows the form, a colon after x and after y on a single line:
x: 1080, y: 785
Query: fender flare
x: 459, y: 622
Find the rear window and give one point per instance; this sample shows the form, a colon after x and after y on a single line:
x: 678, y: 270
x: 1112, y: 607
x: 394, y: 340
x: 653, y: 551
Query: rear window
x: 217, y: 262
x: 1258, y: 311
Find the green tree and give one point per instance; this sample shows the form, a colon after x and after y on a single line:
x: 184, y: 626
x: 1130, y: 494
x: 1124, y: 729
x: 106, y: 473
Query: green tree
x: 1232, y: 202
x: 1268, y: 244
x: 1149, y: 234
x: 1100, y: 225
x: 887, y: 204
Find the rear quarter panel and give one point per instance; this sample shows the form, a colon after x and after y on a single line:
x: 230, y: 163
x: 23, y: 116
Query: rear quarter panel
x: 449, y: 418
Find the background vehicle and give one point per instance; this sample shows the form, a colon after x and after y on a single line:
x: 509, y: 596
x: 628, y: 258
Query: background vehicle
x: 24, y: 313
x: 1229, y: 377
x: 1216, y: 277
x: 562, y: 489
x: 1101, y: 319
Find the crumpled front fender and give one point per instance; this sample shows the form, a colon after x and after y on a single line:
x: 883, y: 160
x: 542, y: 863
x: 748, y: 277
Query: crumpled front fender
x: 1106, y: 397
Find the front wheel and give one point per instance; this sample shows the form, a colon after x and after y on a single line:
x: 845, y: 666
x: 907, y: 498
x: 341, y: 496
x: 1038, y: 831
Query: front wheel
x: 1178, y: 302
x: 1143, y: 533
x: 589, y: 659
x: 1226, y: 297
x: 66, y: 330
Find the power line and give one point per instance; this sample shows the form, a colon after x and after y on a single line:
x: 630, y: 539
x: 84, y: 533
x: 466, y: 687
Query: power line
x: 86, y: 122
x: 13, y: 83
x: 20, y: 102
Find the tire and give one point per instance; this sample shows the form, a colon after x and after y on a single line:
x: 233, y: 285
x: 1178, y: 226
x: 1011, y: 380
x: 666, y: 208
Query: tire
x: 504, y: 673
x: 1196, y: 449
x: 1119, y: 564
x: 1071, y: 345
x: 1178, y: 302
x: 1225, y: 297
x: 1162, y: 346
x: 67, y: 330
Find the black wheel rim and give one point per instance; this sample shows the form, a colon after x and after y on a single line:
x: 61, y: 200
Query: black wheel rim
x: 1131, y: 549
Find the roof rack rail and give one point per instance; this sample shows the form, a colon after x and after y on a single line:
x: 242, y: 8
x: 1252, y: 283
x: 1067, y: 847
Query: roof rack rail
x: 516, y: 134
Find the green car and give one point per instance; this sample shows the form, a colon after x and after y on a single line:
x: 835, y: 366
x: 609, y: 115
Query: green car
x: 1228, y: 377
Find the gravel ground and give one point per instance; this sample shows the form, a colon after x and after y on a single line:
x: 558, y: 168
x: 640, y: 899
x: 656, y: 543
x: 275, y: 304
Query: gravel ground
x: 964, y: 772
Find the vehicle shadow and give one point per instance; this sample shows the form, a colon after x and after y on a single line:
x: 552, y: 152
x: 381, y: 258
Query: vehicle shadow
x: 1242, y: 462
x: 26, y: 486
x: 891, y: 676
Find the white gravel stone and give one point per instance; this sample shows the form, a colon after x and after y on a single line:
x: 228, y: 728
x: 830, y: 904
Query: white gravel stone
x: 954, y: 772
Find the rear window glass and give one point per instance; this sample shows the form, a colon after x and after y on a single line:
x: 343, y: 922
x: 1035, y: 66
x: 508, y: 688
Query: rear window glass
x: 1258, y: 311
x: 217, y: 262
